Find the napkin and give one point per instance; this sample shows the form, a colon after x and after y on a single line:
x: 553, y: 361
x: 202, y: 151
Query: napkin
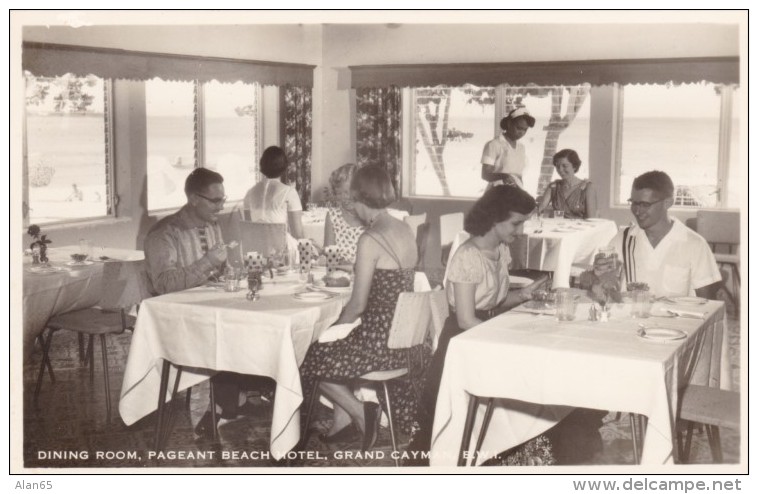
x: 338, y: 331
x: 687, y: 313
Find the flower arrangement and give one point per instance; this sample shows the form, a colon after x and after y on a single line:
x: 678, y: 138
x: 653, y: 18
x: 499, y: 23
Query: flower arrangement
x: 40, y: 242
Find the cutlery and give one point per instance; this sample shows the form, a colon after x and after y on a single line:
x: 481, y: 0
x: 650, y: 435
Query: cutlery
x: 677, y: 314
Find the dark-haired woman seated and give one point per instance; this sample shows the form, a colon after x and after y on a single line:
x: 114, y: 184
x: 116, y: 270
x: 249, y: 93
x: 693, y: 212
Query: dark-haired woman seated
x: 570, y: 194
x: 384, y: 267
x: 477, y: 287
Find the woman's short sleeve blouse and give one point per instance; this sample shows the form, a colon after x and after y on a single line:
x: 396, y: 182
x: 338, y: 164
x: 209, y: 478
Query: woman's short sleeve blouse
x: 470, y: 265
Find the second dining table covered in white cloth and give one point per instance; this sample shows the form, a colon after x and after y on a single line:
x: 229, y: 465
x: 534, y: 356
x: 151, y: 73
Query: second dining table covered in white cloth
x: 539, y: 369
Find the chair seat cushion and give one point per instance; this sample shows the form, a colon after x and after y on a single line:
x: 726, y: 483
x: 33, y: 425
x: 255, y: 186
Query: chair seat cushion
x: 91, y: 321
x: 711, y: 406
x: 384, y: 375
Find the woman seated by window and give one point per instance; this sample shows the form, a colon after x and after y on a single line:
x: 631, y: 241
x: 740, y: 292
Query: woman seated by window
x: 570, y: 194
x: 384, y: 267
x: 271, y: 201
x: 477, y: 286
x: 343, y: 227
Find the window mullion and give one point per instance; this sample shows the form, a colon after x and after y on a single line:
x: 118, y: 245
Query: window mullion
x: 110, y: 186
x: 199, y: 124
x: 725, y: 130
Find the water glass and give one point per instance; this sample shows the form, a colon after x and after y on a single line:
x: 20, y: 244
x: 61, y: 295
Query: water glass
x: 85, y: 248
x: 231, y: 279
x: 641, y: 303
x: 565, y: 307
x: 608, y: 252
x: 558, y: 213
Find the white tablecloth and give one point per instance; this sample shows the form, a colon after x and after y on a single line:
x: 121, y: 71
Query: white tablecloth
x: 550, y: 367
x: 206, y: 330
x: 72, y: 288
x: 559, y: 243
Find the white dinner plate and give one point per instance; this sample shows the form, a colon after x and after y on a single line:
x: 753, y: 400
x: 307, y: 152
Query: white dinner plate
x: 79, y: 263
x: 661, y: 334
x: 312, y: 296
x: 595, y: 220
x: 685, y: 300
x: 519, y: 282
x: 563, y: 230
x: 321, y: 285
x: 46, y: 269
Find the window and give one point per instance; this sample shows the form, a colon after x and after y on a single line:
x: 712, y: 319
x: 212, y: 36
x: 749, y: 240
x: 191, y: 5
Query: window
x: 191, y: 124
x: 451, y: 125
x: 67, y: 149
x: 677, y: 129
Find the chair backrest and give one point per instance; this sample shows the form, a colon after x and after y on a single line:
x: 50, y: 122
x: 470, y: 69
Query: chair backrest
x: 125, y: 284
x: 450, y: 225
x: 519, y: 249
x: 411, y: 320
x: 263, y: 237
x: 440, y: 312
x: 719, y: 227
x: 414, y: 221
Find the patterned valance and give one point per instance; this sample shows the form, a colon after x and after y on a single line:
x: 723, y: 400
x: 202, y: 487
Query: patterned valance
x: 719, y: 70
x: 50, y: 60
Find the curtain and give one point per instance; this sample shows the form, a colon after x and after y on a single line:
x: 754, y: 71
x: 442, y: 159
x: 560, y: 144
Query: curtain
x: 296, y: 111
x: 718, y: 70
x: 51, y: 60
x: 378, y: 130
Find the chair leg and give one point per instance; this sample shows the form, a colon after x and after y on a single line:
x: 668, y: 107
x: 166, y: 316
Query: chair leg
x: 473, y: 405
x: 309, y: 413
x: 188, y: 397
x: 214, y: 419
x: 158, y: 446
x: 391, y: 421
x: 688, y: 442
x: 633, y: 423
x: 104, y: 349
x: 91, y: 358
x: 483, y: 432
x: 82, y: 355
x: 45, y: 344
x: 714, y: 440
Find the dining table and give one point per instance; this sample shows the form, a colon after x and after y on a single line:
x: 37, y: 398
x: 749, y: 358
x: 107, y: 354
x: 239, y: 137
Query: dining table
x: 557, y: 244
x: 206, y: 329
x: 63, y: 285
x: 538, y: 369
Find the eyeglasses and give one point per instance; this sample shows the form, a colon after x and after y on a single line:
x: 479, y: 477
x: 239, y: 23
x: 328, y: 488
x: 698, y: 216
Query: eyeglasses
x: 643, y: 205
x: 216, y: 201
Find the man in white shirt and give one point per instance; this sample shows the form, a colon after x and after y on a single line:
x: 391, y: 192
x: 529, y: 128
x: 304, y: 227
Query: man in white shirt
x: 659, y: 250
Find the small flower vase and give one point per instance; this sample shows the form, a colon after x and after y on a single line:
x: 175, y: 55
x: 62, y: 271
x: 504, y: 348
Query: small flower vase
x: 35, y: 255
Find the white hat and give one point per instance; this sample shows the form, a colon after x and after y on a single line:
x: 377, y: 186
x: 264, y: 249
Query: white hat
x: 521, y: 112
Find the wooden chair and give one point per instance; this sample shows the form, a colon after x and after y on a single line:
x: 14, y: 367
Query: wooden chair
x: 420, y: 230
x: 721, y: 229
x: 450, y: 225
x: 410, y: 324
x: 124, y: 285
x: 712, y: 407
x: 263, y: 237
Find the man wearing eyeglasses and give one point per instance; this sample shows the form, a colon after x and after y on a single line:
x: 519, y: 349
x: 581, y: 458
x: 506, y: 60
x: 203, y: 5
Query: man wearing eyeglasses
x: 660, y: 250
x: 184, y: 249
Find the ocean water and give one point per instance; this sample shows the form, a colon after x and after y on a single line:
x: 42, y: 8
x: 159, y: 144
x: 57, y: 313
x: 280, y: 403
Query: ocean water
x: 687, y: 149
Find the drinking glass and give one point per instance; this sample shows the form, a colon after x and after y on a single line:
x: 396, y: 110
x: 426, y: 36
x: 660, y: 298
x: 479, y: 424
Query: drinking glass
x: 609, y: 252
x: 642, y: 302
x: 85, y: 248
x: 557, y: 213
x: 565, y: 308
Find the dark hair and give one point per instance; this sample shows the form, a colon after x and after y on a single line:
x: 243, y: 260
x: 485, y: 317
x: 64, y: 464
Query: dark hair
x: 371, y: 185
x: 341, y: 175
x: 655, y: 180
x: 495, y: 206
x: 570, y: 155
x: 273, y: 162
x: 200, y: 179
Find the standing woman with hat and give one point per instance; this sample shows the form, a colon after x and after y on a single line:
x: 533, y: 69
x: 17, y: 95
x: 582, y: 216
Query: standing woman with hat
x: 504, y: 158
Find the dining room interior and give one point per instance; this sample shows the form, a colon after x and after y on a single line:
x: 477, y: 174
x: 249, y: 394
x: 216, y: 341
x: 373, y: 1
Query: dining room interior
x: 115, y: 114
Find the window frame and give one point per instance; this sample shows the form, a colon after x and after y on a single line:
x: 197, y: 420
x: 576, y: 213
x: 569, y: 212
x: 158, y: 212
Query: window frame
x: 112, y: 199
x: 198, y: 117
x: 723, y: 153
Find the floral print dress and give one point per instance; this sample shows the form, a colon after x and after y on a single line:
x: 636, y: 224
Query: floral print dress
x: 365, y: 349
x: 345, y: 235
